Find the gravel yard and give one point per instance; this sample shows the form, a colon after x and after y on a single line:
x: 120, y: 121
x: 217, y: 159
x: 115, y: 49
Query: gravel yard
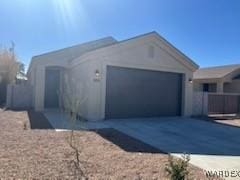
x: 45, y: 154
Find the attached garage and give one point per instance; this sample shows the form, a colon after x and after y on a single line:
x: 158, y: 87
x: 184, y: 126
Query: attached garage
x: 144, y: 76
x: 132, y: 93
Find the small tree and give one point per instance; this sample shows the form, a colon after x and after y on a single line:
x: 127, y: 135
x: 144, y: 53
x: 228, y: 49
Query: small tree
x: 9, y: 67
x: 178, y: 169
x: 71, y: 101
x: 71, y: 98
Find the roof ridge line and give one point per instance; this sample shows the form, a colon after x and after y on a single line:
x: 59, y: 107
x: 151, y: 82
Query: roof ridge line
x: 219, y: 66
x: 69, y: 47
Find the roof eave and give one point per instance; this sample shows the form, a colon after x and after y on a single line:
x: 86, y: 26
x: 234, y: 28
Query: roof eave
x: 216, y: 79
x: 191, y: 64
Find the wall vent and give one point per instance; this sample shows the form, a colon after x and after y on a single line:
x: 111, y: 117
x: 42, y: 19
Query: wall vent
x: 151, y: 51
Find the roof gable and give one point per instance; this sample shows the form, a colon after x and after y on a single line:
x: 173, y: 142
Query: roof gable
x: 165, y: 45
x: 185, y: 60
x: 93, y: 47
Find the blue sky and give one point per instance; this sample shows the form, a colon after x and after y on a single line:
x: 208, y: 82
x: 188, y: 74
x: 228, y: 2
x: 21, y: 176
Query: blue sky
x: 208, y: 31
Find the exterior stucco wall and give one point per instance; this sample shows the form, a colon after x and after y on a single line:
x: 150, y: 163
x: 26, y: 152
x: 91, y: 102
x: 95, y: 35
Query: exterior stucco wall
x: 200, y: 104
x: 133, y: 55
x: 19, y: 96
x: 144, y: 53
x: 37, y: 76
x: 197, y: 87
x: 89, y: 88
x: 233, y: 87
x: 81, y: 76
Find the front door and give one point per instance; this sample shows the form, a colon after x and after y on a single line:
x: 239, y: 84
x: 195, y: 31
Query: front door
x: 52, y: 86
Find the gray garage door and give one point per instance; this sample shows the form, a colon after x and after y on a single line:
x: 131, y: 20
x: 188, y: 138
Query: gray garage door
x: 141, y: 93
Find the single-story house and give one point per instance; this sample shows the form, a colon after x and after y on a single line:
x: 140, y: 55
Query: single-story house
x: 144, y: 76
x: 219, y: 79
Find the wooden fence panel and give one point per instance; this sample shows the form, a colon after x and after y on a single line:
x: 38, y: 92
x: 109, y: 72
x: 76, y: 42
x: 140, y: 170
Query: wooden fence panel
x: 223, y: 104
x: 231, y: 104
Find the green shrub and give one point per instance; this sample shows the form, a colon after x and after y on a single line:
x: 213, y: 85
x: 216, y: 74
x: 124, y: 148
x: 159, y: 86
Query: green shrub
x: 177, y: 169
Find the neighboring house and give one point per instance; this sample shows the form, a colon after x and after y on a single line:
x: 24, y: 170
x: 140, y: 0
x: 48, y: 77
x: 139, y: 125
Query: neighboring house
x: 144, y: 76
x: 21, y: 78
x: 220, y: 79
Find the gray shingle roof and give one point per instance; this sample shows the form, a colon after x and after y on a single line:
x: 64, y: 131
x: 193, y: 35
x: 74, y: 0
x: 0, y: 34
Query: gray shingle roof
x: 215, y: 72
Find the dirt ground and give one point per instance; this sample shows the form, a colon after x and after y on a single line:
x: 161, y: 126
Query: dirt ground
x: 46, y: 154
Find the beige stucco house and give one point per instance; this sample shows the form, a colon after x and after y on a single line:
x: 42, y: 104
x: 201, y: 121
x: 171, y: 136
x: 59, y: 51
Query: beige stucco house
x: 144, y: 76
x: 219, y: 79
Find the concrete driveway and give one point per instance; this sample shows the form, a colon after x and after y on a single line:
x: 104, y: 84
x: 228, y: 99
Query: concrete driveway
x: 178, y: 135
x: 212, y: 146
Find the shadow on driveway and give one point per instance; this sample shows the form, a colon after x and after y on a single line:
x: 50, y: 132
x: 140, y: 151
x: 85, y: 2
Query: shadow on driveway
x: 38, y: 121
x: 125, y: 142
x: 183, y: 135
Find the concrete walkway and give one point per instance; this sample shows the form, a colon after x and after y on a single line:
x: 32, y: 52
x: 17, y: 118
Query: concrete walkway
x: 212, y: 146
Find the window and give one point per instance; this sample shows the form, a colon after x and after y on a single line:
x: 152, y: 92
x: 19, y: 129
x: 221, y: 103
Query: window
x: 237, y: 77
x: 209, y: 87
x: 205, y: 87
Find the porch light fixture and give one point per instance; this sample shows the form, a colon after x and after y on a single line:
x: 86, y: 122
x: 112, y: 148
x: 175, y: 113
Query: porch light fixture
x: 190, y: 80
x: 97, y: 75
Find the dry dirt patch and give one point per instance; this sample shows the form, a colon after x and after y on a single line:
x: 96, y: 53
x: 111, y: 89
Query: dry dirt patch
x: 45, y: 154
